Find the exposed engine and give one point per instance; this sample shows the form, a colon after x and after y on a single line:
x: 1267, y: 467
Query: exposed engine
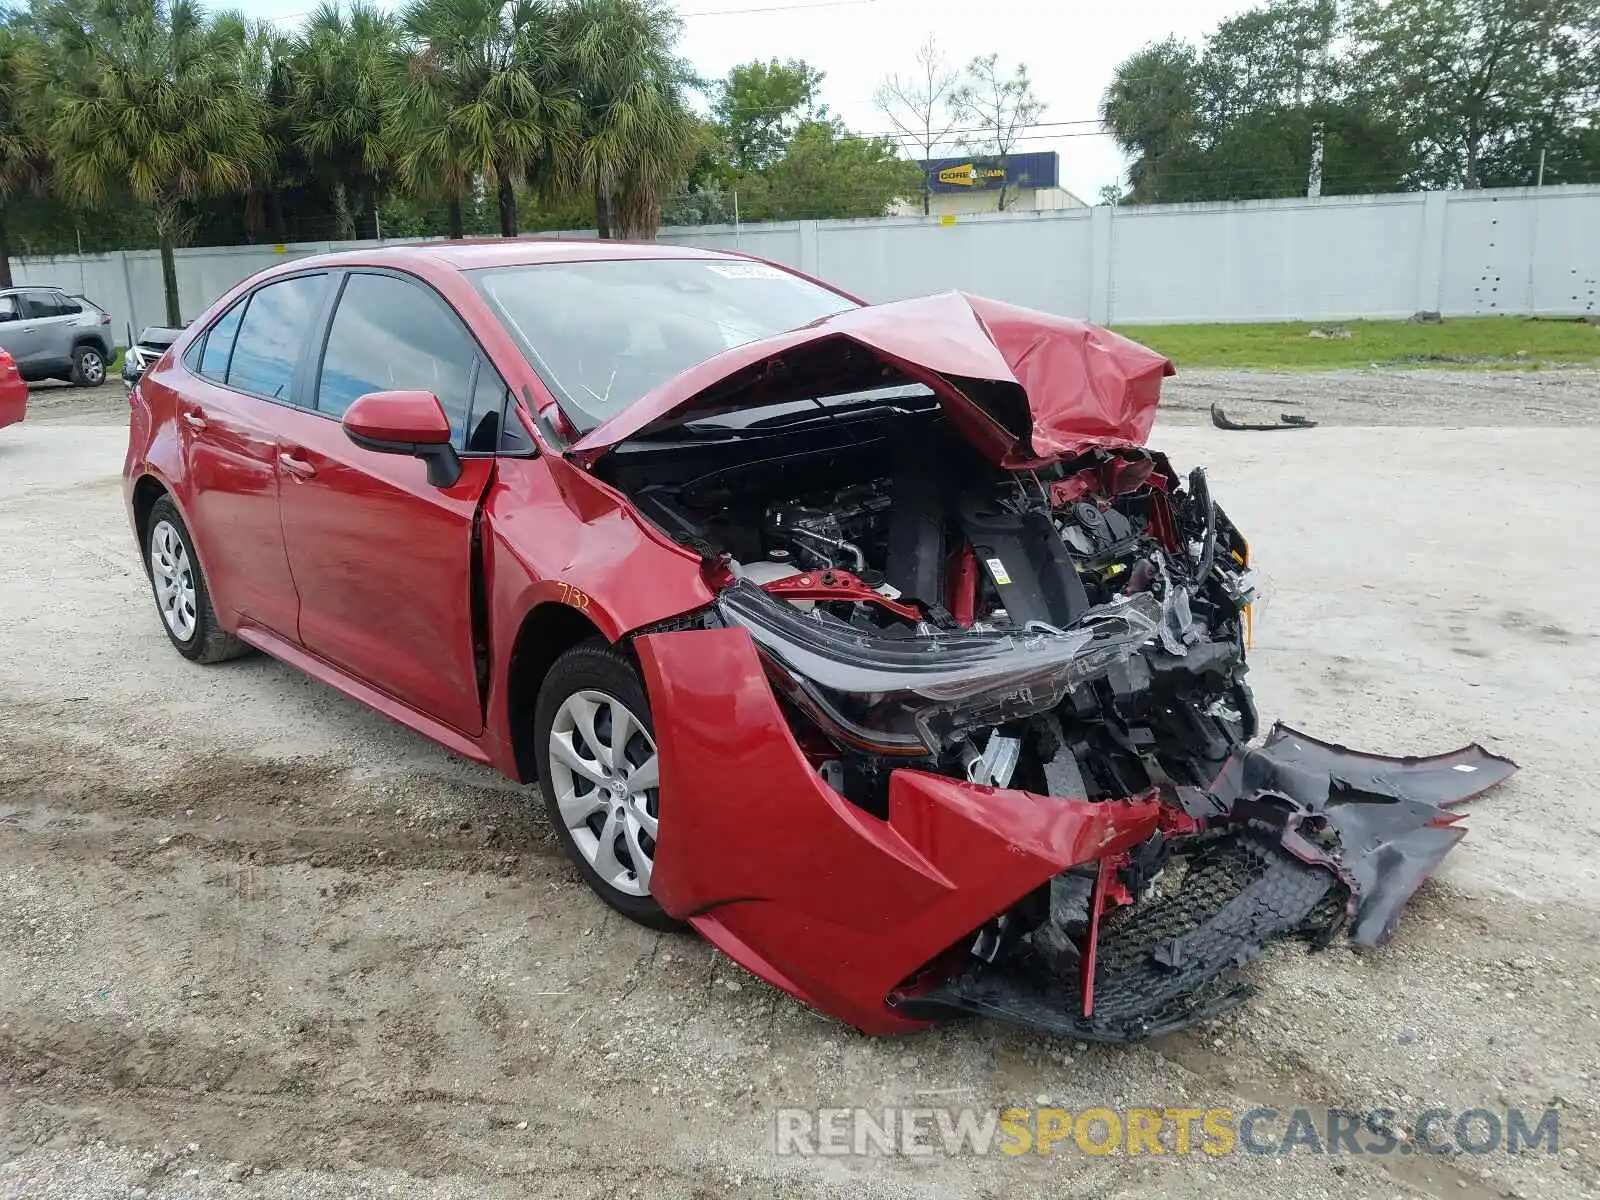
x: 976, y: 565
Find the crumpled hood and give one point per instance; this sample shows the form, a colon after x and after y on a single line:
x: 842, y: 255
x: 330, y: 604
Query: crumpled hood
x: 1024, y: 386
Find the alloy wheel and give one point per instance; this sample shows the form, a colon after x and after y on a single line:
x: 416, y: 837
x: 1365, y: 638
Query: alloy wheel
x: 605, y: 778
x: 174, y: 580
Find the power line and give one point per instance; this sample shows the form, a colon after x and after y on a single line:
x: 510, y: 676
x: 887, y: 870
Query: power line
x: 772, y: 8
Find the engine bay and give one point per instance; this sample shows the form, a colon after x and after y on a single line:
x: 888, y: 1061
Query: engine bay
x: 886, y: 527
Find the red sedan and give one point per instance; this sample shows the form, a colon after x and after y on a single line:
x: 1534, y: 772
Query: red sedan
x: 13, y: 392
x: 868, y: 640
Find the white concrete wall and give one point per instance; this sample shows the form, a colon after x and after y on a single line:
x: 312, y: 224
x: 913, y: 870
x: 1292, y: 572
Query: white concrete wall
x: 1524, y: 250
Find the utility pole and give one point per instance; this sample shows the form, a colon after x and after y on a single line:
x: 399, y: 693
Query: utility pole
x: 1314, y: 183
x: 1540, y: 181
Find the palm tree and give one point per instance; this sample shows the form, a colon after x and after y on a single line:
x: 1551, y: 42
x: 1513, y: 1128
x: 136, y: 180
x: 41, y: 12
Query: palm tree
x: 636, y: 134
x: 155, y: 103
x: 479, y: 98
x: 24, y: 159
x: 262, y: 51
x: 342, y: 82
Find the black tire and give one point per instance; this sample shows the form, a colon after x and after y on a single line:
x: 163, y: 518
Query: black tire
x: 209, y: 642
x: 596, y: 666
x: 88, y: 366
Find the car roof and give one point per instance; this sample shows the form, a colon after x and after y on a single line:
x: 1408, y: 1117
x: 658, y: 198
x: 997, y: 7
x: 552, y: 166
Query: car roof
x: 509, y: 252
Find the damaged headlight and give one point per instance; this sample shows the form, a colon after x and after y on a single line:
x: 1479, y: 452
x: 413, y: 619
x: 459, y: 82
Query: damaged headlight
x: 913, y: 696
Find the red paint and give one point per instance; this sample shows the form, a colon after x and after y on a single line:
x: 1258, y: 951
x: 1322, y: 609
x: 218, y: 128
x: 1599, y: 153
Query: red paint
x: 961, y: 585
x: 1103, y: 878
x: 838, y: 585
x: 399, y: 416
x: 346, y: 563
x: 13, y: 392
x: 382, y: 562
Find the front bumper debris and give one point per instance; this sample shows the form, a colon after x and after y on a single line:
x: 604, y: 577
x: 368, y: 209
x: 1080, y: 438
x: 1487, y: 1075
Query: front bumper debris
x: 1295, y: 838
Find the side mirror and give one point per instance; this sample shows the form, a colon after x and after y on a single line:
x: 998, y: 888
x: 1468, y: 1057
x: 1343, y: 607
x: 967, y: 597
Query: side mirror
x: 405, y: 422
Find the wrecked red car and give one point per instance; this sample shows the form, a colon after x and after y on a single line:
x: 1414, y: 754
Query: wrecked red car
x: 870, y: 641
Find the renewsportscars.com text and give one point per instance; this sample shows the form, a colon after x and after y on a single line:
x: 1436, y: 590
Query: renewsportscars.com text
x: 1133, y: 1131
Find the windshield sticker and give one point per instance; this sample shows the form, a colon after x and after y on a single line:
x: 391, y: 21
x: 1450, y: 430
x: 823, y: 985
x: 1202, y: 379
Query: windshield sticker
x: 747, y: 271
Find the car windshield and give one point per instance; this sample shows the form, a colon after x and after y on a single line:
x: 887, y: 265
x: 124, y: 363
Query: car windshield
x: 602, y: 334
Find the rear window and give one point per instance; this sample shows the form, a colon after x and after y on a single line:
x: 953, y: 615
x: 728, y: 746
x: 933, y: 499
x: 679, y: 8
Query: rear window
x: 49, y: 304
x: 277, y: 322
x: 602, y: 334
x: 219, y: 344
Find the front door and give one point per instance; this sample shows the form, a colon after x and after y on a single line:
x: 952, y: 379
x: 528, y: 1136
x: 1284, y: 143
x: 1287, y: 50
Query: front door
x: 19, y: 333
x: 381, y: 558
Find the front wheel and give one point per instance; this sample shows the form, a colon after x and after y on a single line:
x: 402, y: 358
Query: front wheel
x: 598, y: 768
x: 88, y: 366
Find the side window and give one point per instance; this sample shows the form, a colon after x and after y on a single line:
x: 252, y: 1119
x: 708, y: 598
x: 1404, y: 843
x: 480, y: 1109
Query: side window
x: 218, y: 346
x: 514, y: 438
x: 277, y: 322
x: 388, y: 334
x: 43, y: 304
x: 488, y: 401
x: 8, y: 308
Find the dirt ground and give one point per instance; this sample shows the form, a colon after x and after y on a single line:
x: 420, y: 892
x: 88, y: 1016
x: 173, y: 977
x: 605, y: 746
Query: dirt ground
x: 255, y: 940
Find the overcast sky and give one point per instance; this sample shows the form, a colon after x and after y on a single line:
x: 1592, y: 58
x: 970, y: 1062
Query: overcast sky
x: 1070, y: 47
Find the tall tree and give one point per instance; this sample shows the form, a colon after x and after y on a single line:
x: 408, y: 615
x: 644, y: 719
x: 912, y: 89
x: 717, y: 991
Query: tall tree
x: 1001, y: 108
x: 155, y: 103
x: 1266, y: 103
x: 479, y: 98
x: 920, y: 107
x: 1467, y: 80
x: 342, y: 83
x: 24, y: 157
x: 827, y: 172
x: 635, y: 134
x: 760, y: 106
x: 1151, y: 110
x: 1277, y: 57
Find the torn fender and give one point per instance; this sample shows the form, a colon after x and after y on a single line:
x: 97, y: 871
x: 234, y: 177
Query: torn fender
x: 1025, y: 387
x: 804, y: 889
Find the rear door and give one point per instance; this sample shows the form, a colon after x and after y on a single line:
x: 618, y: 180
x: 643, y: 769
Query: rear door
x: 230, y: 402
x: 50, y: 314
x: 381, y: 558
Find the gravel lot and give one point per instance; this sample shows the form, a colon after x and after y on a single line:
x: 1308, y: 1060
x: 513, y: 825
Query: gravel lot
x: 255, y: 940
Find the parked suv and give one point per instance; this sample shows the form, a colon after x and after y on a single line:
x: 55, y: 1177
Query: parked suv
x: 53, y: 335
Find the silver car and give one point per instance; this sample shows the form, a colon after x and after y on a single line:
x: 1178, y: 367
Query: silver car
x: 53, y: 335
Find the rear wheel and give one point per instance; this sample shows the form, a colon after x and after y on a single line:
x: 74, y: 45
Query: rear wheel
x: 182, y: 598
x: 599, y: 771
x: 88, y: 366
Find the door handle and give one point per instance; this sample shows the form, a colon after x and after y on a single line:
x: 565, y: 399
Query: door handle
x: 298, y: 467
x: 194, y: 421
